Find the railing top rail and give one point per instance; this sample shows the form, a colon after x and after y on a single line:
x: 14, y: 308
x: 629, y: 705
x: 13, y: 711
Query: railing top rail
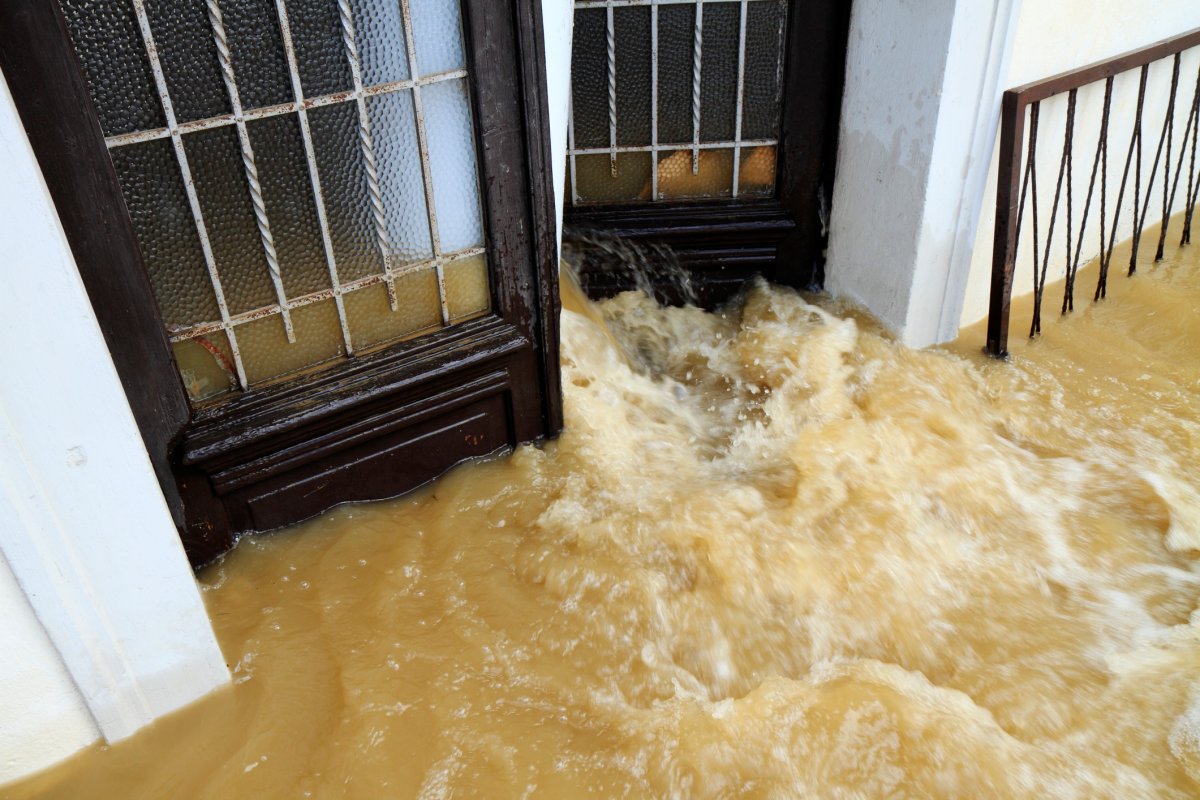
x: 1035, y: 91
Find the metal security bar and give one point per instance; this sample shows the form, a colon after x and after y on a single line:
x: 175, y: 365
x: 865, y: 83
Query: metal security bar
x: 696, y: 143
x: 300, y: 105
x: 1017, y: 183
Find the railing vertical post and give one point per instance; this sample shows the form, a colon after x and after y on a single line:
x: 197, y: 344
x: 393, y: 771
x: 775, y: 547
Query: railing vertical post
x: 1008, y: 189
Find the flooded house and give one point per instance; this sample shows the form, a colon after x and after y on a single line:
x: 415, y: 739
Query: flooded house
x: 320, y: 476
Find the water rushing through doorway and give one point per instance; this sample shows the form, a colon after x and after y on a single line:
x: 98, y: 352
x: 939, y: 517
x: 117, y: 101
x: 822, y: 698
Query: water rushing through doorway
x: 774, y: 554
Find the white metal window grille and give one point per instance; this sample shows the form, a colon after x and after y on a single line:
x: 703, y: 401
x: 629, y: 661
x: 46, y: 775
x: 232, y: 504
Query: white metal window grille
x: 301, y: 174
x: 675, y: 99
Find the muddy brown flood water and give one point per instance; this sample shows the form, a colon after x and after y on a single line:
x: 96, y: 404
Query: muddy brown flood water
x: 774, y: 554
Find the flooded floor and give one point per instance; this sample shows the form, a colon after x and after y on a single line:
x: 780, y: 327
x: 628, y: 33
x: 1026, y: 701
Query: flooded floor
x: 774, y: 554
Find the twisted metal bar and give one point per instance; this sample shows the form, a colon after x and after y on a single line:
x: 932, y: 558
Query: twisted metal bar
x: 1101, y: 154
x: 367, y: 146
x: 1190, y: 197
x: 1068, y: 157
x: 612, y: 92
x: 1168, y: 129
x: 1169, y: 202
x: 249, y: 166
x: 1134, y: 140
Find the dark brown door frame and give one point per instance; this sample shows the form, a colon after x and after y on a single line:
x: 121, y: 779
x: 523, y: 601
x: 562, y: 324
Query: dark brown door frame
x: 375, y: 426
x: 724, y: 243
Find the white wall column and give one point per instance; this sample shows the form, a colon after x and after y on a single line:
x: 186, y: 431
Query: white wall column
x: 83, y: 524
x: 919, y: 114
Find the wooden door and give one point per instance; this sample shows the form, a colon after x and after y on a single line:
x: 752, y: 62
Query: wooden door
x: 710, y: 127
x: 318, y: 236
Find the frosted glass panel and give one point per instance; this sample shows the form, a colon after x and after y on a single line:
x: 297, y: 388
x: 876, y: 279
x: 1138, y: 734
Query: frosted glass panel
x: 631, y: 27
x: 676, y: 29
x: 252, y: 29
x: 394, y: 127
x: 693, y: 87
x: 589, y: 79
x: 467, y: 290
x: 155, y: 197
x: 381, y: 41
x: 277, y: 241
x: 109, y: 45
x: 438, y: 35
x: 757, y: 178
x: 714, y: 178
x: 283, y: 171
x: 206, y: 366
x: 595, y: 182
x: 267, y: 353
x: 220, y: 177
x: 452, y: 164
x: 347, y: 190
x: 320, y: 50
x: 372, y: 320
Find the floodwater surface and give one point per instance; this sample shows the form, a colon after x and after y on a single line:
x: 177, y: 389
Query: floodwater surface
x: 773, y: 554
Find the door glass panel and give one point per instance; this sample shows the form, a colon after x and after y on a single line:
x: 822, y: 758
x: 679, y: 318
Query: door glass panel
x: 339, y: 213
x: 694, y: 87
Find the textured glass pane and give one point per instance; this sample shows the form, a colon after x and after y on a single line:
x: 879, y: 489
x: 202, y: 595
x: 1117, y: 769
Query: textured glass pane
x: 632, y: 28
x: 713, y: 179
x: 320, y: 51
x: 344, y: 183
x: 452, y: 164
x: 756, y: 176
x: 183, y: 37
x: 216, y: 163
x: 467, y: 289
x: 380, y: 40
x: 437, y: 33
x: 110, y: 48
x: 291, y: 209
x: 372, y: 320
x: 676, y: 35
x: 206, y: 366
x: 259, y: 64
x: 764, y: 69
x: 718, y: 72
x: 166, y: 233
x: 266, y: 352
x: 595, y: 183
x: 393, y: 126
x: 589, y: 79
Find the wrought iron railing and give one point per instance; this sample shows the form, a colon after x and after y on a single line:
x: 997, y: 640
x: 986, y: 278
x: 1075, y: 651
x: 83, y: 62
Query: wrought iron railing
x: 1016, y: 186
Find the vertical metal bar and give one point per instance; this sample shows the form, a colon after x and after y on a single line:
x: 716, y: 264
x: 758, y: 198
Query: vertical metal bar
x: 164, y: 95
x: 653, y: 100
x: 285, y: 31
x: 1031, y: 182
x: 1166, y: 135
x: 741, y: 90
x: 1107, y: 254
x: 1193, y: 119
x: 1068, y: 156
x: 1101, y: 151
x: 367, y: 145
x: 1137, y: 178
x: 610, y: 32
x: 697, y: 41
x: 423, y: 146
x: 1108, y: 89
x: 1190, y: 197
x: 249, y: 166
x: 1169, y: 197
x: 571, y: 147
x: 1008, y: 183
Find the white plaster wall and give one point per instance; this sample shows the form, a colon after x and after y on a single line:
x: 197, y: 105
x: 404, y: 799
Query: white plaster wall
x: 921, y: 97
x: 42, y: 717
x: 83, y: 525
x: 557, y: 22
x: 1053, y: 38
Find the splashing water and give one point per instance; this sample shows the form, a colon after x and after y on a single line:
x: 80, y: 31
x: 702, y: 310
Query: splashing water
x: 774, y: 554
